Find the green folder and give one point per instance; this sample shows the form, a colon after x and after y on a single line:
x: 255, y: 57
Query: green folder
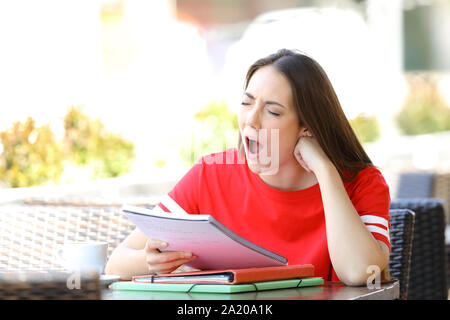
x: 217, y: 288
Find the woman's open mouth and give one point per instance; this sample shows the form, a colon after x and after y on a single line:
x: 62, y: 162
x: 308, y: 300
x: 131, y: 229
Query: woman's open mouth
x: 259, y: 148
x: 253, y: 146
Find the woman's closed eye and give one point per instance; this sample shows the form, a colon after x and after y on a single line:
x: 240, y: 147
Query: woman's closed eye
x: 276, y: 114
x: 273, y: 113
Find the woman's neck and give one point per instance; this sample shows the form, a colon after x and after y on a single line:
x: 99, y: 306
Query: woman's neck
x: 290, y: 177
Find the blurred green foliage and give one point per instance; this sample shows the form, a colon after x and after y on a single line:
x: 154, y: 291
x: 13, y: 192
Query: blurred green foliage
x: 366, y: 128
x: 33, y: 156
x: 216, y: 129
x: 87, y: 142
x: 424, y: 110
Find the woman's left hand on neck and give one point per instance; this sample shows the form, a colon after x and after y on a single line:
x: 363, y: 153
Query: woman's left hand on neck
x: 311, y: 156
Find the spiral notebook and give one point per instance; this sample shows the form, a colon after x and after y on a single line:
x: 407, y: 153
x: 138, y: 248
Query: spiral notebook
x: 216, y: 246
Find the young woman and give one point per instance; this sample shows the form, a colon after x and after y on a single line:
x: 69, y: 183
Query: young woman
x: 306, y: 190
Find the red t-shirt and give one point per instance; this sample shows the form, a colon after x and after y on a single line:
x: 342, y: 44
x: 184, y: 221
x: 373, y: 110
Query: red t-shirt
x: 290, y: 223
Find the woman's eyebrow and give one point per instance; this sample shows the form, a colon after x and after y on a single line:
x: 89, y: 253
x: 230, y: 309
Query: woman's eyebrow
x: 249, y: 95
x: 274, y: 102
x: 266, y: 102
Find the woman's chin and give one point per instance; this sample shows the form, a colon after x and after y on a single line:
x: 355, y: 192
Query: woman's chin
x: 259, y: 167
x: 254, y: 167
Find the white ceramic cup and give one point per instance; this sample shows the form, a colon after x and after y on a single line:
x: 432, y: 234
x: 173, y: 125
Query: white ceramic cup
x: 84, y: 256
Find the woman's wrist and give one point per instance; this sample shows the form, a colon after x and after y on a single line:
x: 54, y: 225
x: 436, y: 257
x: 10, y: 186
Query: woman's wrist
x: 136, y: 262
x: 324, y: 170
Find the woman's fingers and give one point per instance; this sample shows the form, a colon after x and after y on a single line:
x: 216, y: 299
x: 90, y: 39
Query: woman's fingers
x: 169, y: 266
x: 153, y: 245
x: 167, y: 257
x: 167, y: 261
x: 298, y: 156
x: 304, y: 165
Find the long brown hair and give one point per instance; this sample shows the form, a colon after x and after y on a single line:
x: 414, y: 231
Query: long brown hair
x: 318, y: 110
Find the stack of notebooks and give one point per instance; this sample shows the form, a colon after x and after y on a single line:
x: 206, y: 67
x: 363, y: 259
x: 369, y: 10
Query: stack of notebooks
x: 234, y: 263
x: 225, y: 281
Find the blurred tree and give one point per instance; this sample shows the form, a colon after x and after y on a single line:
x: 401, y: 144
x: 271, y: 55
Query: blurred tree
x: 80, y: 135
x: 366, y: 128
x: 424, y: 110
x: 113, y: 157
x: 31, y: 156
x: 87, y: 142
x: 216, y: 130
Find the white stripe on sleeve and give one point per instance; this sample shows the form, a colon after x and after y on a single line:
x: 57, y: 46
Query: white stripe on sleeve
x: 374, y: 219
x: 375, y: 229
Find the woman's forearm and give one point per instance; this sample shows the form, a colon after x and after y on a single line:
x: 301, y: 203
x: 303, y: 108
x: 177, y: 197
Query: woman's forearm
x: 351, y: 246
x: 127, y: 262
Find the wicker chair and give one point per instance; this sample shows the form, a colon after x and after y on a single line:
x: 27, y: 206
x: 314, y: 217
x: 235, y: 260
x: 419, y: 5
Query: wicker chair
x: 30, y: 235
x: 49, y: 285
x: 401, y: 235
x: 428, y: 260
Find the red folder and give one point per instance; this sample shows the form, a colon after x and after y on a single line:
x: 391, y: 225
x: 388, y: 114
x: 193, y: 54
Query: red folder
x: 232, y: 276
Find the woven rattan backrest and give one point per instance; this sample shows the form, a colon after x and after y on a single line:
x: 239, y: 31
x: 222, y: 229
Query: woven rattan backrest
x: 428, y: 260
x: 401, y: 236
x: 49, y: 285
x: 31, y: 235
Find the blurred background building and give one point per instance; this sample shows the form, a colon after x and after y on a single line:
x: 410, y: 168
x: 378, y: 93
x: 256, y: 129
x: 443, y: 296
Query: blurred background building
x: 141, y: 89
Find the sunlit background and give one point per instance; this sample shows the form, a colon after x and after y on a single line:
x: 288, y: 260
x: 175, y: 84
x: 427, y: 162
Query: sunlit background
x: 140, y: 89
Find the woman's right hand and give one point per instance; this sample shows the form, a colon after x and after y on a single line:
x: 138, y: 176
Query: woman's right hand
x: 167, y: 261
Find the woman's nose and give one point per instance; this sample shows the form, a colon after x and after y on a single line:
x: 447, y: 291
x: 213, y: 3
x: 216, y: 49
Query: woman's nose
x: 253, y: 118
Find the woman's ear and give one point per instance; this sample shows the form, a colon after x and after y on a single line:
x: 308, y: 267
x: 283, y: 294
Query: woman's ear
x: 304, y: 132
